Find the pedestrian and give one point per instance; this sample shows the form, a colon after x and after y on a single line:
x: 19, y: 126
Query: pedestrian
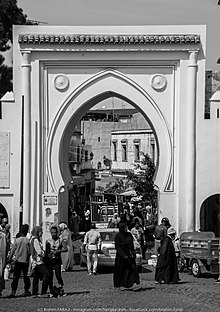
x: 6, y: 229
x: 92, y: 244
x: 138, y: 232
x: 74, y: 223
x: 26, y: 227
x: 87, y: 215
x: 54, y: 248
x: 160, y: 233
x: 2, y: 259
x: 166, y: 268
x: 113, y: 222
x: 8, y: 236
x: 21, y: 252
x: 39, y: 270
x: 125, y: 270
x: 137, y: 216
x: 3, y: 224
x: 67, y: 257
x: 125, y: 218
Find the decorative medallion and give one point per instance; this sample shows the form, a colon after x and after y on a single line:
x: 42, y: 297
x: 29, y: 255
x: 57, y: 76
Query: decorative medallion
x: 61, y: 82
x: 158, y: 81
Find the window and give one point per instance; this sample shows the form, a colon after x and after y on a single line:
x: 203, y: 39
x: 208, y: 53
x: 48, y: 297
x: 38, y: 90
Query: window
x: 114, y: 150
x: 124, y: 150
x: 136, y: 150
x: 78, y: 154
x: 86, y: 155
x: 152, y: 143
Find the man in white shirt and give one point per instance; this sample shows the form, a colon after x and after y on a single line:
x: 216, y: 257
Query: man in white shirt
x: 92, y: 242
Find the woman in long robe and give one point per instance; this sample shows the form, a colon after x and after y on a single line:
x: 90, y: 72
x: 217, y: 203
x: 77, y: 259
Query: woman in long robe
x: 3, y: 253
x: 166, y: 268
x: 125, y: 270
x: 67, y: 257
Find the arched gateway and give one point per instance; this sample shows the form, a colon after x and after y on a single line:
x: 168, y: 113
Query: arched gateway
x: 61, y: 72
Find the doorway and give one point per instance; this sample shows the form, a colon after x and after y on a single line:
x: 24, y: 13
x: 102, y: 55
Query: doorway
x: 210, y: 215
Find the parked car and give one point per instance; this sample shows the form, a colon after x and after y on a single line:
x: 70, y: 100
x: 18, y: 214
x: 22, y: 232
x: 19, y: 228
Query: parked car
x: 106, y: 257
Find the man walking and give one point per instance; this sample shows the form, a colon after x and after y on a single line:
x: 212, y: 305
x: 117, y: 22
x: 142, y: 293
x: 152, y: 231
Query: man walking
x: 92, y: 243
x: 21, y: 249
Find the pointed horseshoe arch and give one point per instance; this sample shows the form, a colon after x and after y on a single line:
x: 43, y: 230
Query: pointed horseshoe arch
x: 99, y: 87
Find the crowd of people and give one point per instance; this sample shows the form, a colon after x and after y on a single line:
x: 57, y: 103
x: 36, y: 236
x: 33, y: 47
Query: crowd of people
x: 126, y: 274
x: 30, y: 257
x: 138, y: 221
x: 40, y: 262
x: 131, y: 231
x: 125, y: 270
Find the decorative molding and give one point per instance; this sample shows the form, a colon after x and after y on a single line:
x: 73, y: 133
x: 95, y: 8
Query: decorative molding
x: 108, y: 39
x: 61, y: 82
x: 158, y: 81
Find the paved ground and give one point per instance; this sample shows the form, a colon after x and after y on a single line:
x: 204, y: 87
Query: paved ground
x: 97, y: 294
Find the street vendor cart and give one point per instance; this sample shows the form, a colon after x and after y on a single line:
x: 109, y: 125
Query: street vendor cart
x: 200, y: 251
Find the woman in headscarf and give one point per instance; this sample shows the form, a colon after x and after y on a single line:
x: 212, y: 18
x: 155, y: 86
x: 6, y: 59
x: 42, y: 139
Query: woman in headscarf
x: 125, y: 270
x: 3, y: 254
x: 67, y: 257
x: 40, y: 271
x: 166, y: 269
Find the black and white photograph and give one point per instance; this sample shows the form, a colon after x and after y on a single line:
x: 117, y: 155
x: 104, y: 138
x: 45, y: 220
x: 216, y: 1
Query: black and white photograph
x: 109, y: 155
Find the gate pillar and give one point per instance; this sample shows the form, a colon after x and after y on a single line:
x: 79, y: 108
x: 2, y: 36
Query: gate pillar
x: 26, y: 102
x: 191, y: 142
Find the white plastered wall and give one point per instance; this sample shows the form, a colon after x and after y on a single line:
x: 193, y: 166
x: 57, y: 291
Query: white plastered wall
x: 125, y: 71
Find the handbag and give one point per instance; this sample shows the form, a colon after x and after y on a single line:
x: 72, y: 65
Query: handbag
x: 132, y: 254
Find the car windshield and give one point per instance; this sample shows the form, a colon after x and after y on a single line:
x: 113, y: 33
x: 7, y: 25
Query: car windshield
x: 108, y: 236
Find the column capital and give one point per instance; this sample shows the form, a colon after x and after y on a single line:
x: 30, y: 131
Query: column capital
x: 193, y: 57
x: 26, y: 58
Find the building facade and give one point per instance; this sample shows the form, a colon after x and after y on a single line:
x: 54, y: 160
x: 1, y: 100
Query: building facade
x: 128, y: 146
x: 101, y: 133
x: 62, y: 72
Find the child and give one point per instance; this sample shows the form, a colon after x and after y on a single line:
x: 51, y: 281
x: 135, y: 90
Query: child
x: 54, y: 248
x: 21, y: 250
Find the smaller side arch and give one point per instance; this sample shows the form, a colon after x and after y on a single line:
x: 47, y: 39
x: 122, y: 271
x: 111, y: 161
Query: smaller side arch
x: 3, y: 212
x: 210, y: 214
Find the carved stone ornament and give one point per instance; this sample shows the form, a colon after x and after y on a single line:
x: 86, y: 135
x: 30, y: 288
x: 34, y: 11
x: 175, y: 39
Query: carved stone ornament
x: 61, y: 82
x: 158, y: 82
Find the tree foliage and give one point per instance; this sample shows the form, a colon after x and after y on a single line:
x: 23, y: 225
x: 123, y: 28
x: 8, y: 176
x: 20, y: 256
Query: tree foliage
x: 142, y: 180
x: 10, y: 14
x: 5, y: 77
x: 117, y: 187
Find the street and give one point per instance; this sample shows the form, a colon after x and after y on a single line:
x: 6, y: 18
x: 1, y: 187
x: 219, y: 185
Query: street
x: 96, y: 293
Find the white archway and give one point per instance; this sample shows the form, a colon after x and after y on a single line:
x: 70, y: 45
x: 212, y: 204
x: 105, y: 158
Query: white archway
x: 99, y: 62
x: 95, y: 89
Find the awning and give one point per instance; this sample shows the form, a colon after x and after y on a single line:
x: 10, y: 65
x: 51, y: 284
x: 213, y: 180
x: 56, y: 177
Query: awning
x: 129, y: 193
x: 136, y: 199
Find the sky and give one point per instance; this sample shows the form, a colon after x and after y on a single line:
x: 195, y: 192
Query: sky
x: 132, y: 12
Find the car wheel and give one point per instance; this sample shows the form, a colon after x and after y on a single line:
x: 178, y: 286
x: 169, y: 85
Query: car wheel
x: 195, y: 268
x: 181, y: 263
